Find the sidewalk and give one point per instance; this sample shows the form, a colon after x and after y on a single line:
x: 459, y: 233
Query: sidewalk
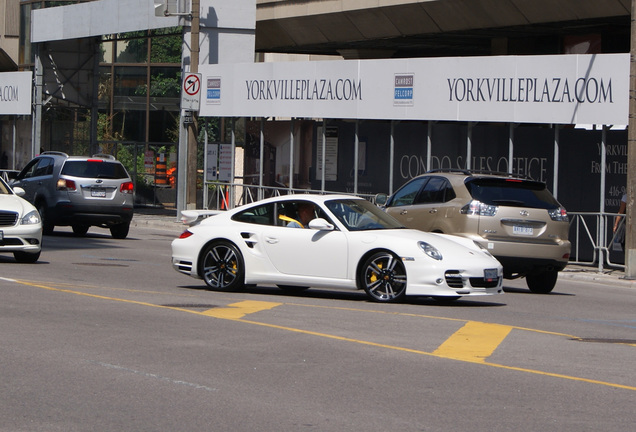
x: 591, y: 274
x: 160, y: 218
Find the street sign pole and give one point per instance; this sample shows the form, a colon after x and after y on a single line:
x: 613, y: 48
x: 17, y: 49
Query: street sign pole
x: 191, y: 188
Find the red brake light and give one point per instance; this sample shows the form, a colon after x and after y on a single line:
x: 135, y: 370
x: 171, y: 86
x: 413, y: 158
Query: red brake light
x: 185, y: 234
x: 514, y: 180
x: 94, y: 160
x: 127, y: 187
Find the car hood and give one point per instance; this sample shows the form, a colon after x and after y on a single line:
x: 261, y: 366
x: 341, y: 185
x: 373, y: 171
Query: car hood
x: 446, y: 243
x: 16, y: 204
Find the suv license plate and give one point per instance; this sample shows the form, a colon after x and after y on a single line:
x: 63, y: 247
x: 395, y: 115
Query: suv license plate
x: 490, y: 274
x: 99, y: 193
x: 522, y: 230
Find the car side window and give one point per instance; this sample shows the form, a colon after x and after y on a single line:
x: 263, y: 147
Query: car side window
x: 261, y: 215
x: 44, y: 167
x: 407, y: 194
x: 29, y: 170
x: 435, y: 191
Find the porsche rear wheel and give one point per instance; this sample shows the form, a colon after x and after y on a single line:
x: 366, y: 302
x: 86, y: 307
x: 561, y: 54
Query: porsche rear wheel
x: 222, y: 266
x: 383, y: 277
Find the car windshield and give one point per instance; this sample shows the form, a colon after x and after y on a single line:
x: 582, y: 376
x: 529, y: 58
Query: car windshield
x: 511, y: 193
x: 94, y: 169
x: 361, y: 215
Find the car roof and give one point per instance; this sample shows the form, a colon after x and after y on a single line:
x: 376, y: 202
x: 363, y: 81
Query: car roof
x: 476, y: 174
x: 316, y: 198
x: 62, y: 155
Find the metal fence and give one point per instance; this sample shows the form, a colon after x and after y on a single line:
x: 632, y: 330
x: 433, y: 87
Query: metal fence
x: 594, y: 242
x: 223, y: 196
x: 152, y: 168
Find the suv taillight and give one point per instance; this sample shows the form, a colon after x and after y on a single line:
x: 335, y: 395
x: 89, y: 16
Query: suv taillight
x: 559, y: 214
x: 126, y: 187
x: 479, y: 208
x: 66, y: 185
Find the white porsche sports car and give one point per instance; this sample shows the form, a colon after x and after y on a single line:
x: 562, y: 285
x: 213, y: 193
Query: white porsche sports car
x: 346, y: 242
x: 20, y: 225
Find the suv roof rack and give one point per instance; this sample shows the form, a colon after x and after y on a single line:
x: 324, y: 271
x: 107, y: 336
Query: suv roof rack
x: 471, y: 172
x: 55, y: 153
x: 449, y: 170
x: 104, y: 156
x: 500, y: 173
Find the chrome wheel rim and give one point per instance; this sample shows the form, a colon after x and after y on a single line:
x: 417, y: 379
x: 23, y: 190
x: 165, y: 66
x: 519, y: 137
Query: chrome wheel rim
x: 385, y: 277
x: 220, y: 266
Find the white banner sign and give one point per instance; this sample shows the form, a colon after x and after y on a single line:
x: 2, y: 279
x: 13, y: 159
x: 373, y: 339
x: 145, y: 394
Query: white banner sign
x: 563, y: 89
x: 15, y: 93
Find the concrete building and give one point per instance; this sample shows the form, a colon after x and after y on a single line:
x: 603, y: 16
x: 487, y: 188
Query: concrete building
x: 581, y: 157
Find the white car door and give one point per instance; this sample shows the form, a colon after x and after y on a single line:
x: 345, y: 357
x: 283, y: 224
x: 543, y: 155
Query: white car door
x: 307, y: 252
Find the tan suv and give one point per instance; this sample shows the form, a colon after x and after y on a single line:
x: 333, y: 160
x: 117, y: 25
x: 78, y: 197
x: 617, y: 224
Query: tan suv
x: 516, y: 220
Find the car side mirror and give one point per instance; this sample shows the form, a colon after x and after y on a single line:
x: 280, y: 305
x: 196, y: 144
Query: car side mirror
x: 320, y: 224
x: 18, y: 191
x: 381, y: 199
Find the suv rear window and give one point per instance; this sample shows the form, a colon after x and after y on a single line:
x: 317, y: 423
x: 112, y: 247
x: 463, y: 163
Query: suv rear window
x: 511, y: 193
x: 94, y: 169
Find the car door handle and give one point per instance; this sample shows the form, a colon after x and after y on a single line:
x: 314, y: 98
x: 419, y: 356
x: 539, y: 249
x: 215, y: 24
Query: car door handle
x: 403, y: 212
x: 271, y: 240
x: 432, y: 211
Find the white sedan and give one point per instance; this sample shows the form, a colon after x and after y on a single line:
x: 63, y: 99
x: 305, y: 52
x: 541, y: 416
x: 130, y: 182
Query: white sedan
x: 20, y: 225
x: 347, y: 243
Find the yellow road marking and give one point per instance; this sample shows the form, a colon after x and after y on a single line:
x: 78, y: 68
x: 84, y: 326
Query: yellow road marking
x: 467, y: 359
x: 240, y: 309
x: 476, y: 341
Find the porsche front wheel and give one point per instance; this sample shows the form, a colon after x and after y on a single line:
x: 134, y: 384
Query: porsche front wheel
x: 222, y: 266
x: 383, y: 277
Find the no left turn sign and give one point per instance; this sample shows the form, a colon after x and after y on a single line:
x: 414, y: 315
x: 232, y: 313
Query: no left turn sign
x: 191, y: 92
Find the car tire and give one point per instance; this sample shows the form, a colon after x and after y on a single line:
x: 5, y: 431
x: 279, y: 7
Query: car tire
x: 120, y: 231
x: 222, y: 266
x: 383, y: 277
x: 80, y: 230
x: 47, y: 227
x: 543, y: 282
x: 26, y: 257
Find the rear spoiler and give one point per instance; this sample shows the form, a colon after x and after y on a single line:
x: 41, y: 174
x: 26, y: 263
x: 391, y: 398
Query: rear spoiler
x: 194, y: 217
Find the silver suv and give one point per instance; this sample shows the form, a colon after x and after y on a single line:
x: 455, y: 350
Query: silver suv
x: 79, y: 191
x: 516, y: 220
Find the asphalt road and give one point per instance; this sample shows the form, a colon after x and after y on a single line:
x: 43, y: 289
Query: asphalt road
x: 102, y: 335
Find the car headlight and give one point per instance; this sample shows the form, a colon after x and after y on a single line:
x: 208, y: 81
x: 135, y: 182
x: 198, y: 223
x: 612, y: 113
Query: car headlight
x: 430, y: 250
x: 31, y: 218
